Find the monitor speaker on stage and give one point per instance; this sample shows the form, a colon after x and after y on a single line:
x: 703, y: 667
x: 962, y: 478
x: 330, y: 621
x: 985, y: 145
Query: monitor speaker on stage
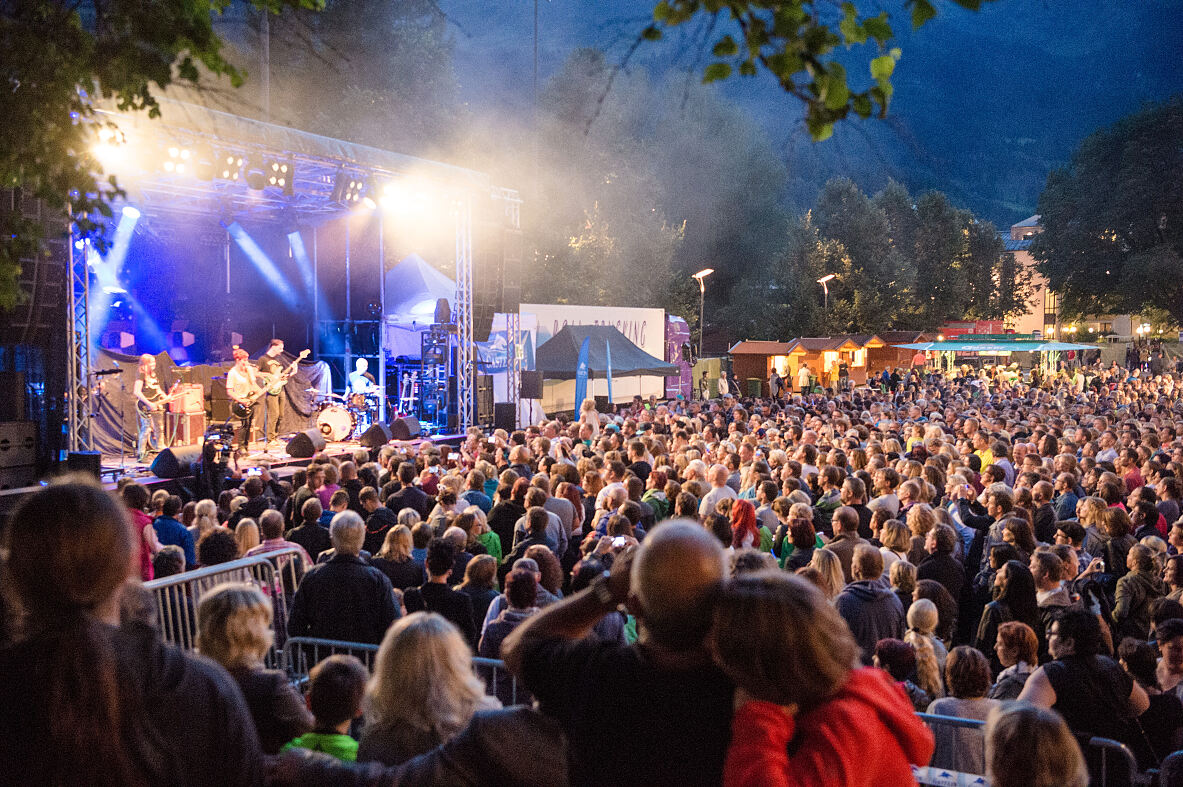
x: 531, y: 385
x: 376, y: 436
x: 88, y: 462
x: 406, y: 428
x: 304, y: 445
x: 505, y: 416
x: 176, y: 462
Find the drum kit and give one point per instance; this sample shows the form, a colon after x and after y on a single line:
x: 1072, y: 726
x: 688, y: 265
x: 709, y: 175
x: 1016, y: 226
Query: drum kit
x: 342, y: 417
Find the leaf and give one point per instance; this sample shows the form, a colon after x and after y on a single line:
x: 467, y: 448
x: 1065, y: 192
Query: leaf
x: 878, y: 28
x: 882, y: 68
x: 726, y: 47
x: 716, y: 71
x: 922, y: 11
x: 835, y: 92
x: 747, y: 68
x: 662, y: 11
x: 851, y: 30
x: 819, y: 128
x: 651, y: 33
x: 862, y: 105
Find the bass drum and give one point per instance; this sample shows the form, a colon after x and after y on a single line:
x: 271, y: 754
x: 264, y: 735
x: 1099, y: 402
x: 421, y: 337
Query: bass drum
x: 336, y: 423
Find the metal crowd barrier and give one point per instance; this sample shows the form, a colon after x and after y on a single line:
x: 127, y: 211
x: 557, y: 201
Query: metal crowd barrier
x: 1110, y: 763
x: 276, y: 573
x: 300, y: 654
x: 936, y: 775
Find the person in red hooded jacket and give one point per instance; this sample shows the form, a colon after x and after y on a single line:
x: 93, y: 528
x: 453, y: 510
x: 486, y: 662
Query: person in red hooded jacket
x: 795, y: 666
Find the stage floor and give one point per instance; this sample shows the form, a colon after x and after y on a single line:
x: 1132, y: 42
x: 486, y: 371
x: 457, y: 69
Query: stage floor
x: 282, y: 465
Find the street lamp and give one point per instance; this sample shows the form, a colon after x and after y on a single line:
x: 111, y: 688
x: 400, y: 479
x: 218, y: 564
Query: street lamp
x: 824, y: 281
x: 702, y: 293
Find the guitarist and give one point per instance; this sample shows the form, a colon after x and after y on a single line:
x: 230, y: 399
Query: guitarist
x: 150, y: 400
x: 242, y: 388
x: 273, y: 407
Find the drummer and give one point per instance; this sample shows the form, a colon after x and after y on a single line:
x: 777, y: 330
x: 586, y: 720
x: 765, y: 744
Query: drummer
x: 360, y: 380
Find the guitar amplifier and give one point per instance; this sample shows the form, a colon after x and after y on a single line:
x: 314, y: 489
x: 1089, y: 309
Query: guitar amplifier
x: 189, y: 399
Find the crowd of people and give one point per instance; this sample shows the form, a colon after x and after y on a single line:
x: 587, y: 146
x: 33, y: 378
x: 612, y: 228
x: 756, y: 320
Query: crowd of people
x: 739, y: 591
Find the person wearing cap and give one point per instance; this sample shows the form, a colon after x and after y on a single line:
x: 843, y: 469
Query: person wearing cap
x: 242, y: 387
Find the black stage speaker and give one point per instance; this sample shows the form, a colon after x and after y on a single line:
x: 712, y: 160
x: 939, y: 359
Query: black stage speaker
x: 175, y: 462
x: 376, y: 436
x: 406, y: 428
x: 531, y: 385
x: 602, y: 404
x: 89, y: 462
x: 304, y: 445
x: 12, y: 396
x: 484, y: 399
x: 505, y: 416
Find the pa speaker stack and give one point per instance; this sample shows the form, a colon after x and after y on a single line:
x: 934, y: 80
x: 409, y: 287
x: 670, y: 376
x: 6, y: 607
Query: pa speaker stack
x: 304, y: 445
x: 376, y: 436
x: 405, y: 428
x: 176, y: 462
x: 531, y: 385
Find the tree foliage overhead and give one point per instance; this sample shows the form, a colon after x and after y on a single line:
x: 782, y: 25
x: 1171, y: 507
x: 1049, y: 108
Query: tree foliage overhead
x: 798, y: 42
x: 1112, y: 219
x: 62, y: 56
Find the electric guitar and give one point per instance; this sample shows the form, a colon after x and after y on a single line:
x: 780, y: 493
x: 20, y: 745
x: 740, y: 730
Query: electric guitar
x: 147, y: 410
x: 272, y: 384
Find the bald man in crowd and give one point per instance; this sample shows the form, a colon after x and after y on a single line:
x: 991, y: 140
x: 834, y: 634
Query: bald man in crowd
x: 657, y: 712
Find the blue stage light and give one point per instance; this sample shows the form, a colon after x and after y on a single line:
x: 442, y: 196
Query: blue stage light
x: 131, y: 212
x: 263, y: 264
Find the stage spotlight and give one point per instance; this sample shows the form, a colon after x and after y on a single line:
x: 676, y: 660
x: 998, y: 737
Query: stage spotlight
x: 348, y: 188
x: 131, y: 212
x: 255, y: 176
x: 279, y: 175
x: 229, y: 165
x: 177, y: 159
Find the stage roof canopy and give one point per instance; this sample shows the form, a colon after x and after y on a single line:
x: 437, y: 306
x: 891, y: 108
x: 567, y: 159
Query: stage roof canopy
x: 558, y: 357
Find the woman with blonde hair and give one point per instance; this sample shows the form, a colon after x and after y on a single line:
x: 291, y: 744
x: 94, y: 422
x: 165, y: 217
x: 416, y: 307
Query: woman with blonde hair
x: 485, y: 535
x: 830, y: 568
x: 795, y: 666
x: 423, y: 690
x: 930, y: 651
x: 246, y: 535
x: 234, y: 629
x: 896, y: 540
x: 903, y: 581
x: 1029, y: 746
x: 205, y: 519
x: 395, y: 561
x: 920, y: 520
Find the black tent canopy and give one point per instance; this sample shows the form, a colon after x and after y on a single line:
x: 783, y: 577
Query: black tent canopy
x: 558, y: 357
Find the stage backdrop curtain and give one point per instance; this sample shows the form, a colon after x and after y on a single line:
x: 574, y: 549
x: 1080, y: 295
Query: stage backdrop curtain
x: 115, y: 405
